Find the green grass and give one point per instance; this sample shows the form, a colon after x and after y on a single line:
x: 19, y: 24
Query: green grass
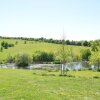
x: 19, y: 84
x: 32, y: 46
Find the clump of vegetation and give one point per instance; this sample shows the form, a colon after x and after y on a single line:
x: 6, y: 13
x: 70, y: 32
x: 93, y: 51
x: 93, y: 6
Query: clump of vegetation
x: 16, y: 42
x: 22, y: 60
x: 5, y: 45
x: 44, y: 74
x: 25, y: 42
x: 86, y: 54
x: 67, y: 75
x: 43, y: 57
x: 95, y: 59
x: 10, y: 59
x: 1, y: 49
x: 96, y: 77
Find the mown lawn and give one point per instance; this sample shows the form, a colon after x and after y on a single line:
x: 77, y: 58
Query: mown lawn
x: 19, y: 84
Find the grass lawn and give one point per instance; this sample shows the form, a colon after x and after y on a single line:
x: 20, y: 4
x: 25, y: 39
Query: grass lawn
x: 19, y: 84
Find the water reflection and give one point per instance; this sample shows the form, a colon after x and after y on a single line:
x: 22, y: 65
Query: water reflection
x: 69, y: 66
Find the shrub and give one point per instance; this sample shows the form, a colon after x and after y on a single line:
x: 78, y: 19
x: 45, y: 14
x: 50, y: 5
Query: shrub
x: 86, y: 54
x: 96, y: 77
x: 22, y: 60
x: 1, y: 49
x: 10, y: 59
x: 6, y: 45
x: 57, y: 62
x: 16, y: 42
x: 43, y: 57
x: 25, y: 42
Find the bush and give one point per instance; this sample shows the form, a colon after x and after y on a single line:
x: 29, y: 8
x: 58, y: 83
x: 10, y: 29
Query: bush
x: 1, y: 49
x: 43, y: 57
x: 86, y: 54
x: 10, y: 59
x: 57, y: 62
x: 5, y: 45
x: 96, y: 77
x: 22, y: 60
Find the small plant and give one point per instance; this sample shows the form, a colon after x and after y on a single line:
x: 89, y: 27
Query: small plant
x: 96, y: 77
x: 44, y: 74
x: 1, y: 49
x: 34, y: 73
x: 10, y: 59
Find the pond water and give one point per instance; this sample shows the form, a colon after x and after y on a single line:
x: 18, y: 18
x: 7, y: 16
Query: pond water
x: 77, y: 65
x: 69, y: 66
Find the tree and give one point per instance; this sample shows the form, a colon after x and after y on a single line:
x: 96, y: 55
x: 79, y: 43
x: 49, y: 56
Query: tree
x: 65, y: 54
x: 95, y: 59
x: 85, y: 43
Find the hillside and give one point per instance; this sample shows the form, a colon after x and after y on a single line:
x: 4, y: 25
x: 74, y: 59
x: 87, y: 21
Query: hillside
x: 29, y: 47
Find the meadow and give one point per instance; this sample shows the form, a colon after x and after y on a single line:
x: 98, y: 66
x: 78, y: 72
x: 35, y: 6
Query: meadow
x: 20, y: 84
x: 46, y: 84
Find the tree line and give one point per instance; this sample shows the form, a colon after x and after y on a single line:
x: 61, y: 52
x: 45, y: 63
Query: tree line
x: 67, y: 42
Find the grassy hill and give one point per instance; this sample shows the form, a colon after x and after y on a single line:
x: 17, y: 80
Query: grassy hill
x: 31, y: 46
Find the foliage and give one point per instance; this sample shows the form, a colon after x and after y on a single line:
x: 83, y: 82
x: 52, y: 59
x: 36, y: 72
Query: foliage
x: 40, y: 56
x: 67, y: 42
x: 10, y: 59
x: 1, y: 49
x: 16, y: 42
x: 66, y: 54
x: 22, y: 60
x: 95, y: 59
x: 25, y: 42
x: 6, y: 44
x: 94, y: 46
x: 86, y: 54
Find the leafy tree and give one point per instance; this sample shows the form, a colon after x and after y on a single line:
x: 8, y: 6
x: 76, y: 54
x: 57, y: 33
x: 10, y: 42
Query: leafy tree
x: 85, y: 43
x: 65, y: 55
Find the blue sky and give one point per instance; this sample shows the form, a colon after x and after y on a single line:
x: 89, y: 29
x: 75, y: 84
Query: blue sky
x: 80, y: 19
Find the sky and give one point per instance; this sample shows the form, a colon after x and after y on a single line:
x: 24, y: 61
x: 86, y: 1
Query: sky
x: 77, y: 19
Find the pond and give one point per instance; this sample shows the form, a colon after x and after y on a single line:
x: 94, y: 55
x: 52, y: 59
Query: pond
x: 69, y: 66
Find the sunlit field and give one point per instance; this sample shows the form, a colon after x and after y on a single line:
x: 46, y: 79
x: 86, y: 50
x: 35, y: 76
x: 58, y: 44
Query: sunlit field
x: 19, y: 84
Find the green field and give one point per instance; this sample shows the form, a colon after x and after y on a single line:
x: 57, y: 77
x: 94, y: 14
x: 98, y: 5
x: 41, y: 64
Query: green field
x: 18, y: 84
x: 31, y: 46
